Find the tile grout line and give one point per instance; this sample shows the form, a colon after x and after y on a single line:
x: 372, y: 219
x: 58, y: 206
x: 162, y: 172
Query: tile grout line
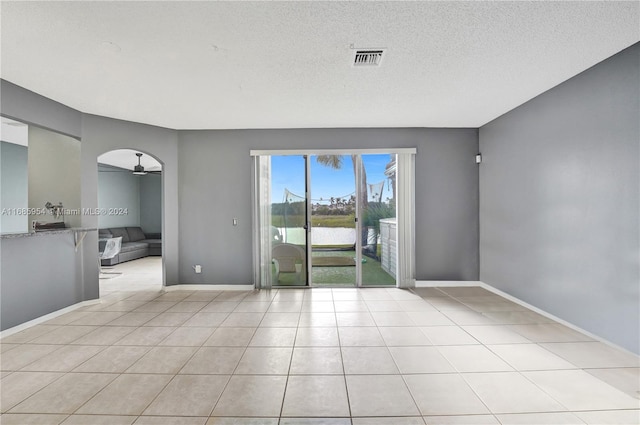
x: 344, y: 372
x: 118, y: 376
x: 233, y: 372
x: 377, y: 326
x: 60, y: 377
x: 124, y: 373
x: 286, y: 382
x: 461, y: 374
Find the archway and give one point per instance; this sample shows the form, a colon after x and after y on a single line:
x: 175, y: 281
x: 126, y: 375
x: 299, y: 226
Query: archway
x: 130, y: 212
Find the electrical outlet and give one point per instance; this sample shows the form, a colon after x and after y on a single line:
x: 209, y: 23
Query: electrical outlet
x: 197, y: 268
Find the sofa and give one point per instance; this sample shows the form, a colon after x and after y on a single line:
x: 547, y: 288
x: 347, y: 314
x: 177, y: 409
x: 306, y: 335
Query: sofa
x: 135, y: 243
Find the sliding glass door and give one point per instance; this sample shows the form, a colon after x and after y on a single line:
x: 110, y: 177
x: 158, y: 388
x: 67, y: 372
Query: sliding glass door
x: 288, y: 241
x: 378, y: 219
x: 331, y: 219
x: 334, y: 233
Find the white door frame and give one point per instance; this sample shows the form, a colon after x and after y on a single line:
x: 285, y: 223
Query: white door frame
x: 405, y: 270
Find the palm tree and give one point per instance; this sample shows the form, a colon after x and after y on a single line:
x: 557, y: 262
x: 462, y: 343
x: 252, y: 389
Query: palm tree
x: 336, y: 162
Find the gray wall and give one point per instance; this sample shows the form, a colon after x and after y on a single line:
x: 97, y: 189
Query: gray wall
x: 118, y: 188
x: 141, y: 196
x: 32, y: 108
x: 40, y: 274
x: 215, y: 186
x: 559, y: 207
x: 14, y: 186
x: 100, y: 135
x: 54, y: 174
x: 151, y: 203
x: 45, y: 264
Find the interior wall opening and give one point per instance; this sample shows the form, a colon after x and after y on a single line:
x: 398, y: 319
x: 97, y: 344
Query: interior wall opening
x: 130, y: 210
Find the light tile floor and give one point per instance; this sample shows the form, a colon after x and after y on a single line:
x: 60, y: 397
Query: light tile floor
x: 363, y: 356
x: 137, y: 275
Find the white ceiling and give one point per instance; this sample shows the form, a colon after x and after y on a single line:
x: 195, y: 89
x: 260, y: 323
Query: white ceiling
x: 193, y: 65
x: 14, y: 132
x: 127, y: 159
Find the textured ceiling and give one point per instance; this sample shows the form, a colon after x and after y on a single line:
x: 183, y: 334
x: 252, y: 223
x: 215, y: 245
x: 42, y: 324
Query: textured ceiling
x: 127, y: 159
x: 192, y: 65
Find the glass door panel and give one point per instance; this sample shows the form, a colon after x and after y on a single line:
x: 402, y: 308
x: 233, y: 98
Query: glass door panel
x: 333, y: 226
x: 332, y: 220
x: 288, y: 220
x: 378, y: 219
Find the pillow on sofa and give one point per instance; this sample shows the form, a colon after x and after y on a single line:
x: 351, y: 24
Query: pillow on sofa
x: 135, y: 234
x: 120, y: 231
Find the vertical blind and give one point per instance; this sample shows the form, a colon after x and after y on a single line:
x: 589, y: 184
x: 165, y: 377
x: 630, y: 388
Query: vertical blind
x: 405, y: 181
x: 262, y: 222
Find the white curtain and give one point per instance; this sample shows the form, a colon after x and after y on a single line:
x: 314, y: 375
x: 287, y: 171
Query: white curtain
x: 405, y: 181
x: 262, y: 222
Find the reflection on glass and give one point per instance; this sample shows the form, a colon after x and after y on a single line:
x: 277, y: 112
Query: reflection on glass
x: 14, y: 191
x: 333, y: 209
x: 54, y: 176
x: 344, y: 252
x: 288, y: 216
x: 378, y: 212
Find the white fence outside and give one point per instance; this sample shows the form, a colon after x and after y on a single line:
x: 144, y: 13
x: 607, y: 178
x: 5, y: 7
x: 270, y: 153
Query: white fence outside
x: 389, y: 245
x: 319, y: 235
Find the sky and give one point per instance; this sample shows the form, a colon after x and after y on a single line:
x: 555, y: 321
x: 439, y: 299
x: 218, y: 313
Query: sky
x: 288, y: 172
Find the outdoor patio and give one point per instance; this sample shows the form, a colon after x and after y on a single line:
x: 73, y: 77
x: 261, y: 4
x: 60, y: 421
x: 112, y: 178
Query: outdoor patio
x: 372, y: 272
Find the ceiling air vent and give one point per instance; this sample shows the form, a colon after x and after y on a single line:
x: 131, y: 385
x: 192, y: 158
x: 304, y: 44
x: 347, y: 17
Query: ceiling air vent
x: 369, y: 57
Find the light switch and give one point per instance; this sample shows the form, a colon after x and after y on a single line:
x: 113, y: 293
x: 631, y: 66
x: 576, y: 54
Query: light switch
x: 235, y: 221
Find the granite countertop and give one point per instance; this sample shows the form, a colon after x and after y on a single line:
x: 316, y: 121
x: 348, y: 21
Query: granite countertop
x: 46, y: 232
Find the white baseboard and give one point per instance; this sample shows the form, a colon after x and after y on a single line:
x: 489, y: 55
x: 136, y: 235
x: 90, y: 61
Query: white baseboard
x: 46, y: 317
x: 446, y: 283
x: 451, y: 283
x: 468, y: 283
x: 552, y: 317
x: 208, y: 288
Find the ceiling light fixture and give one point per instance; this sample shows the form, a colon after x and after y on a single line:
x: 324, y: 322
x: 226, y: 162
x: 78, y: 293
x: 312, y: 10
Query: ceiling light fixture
x: 138, y: 170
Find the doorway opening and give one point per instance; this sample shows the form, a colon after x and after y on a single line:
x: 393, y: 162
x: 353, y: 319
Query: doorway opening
x: 332, y: 219
x: 130, y: 210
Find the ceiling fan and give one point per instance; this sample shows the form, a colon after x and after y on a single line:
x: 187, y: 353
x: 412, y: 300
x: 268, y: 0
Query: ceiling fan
x: 138, y: 169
